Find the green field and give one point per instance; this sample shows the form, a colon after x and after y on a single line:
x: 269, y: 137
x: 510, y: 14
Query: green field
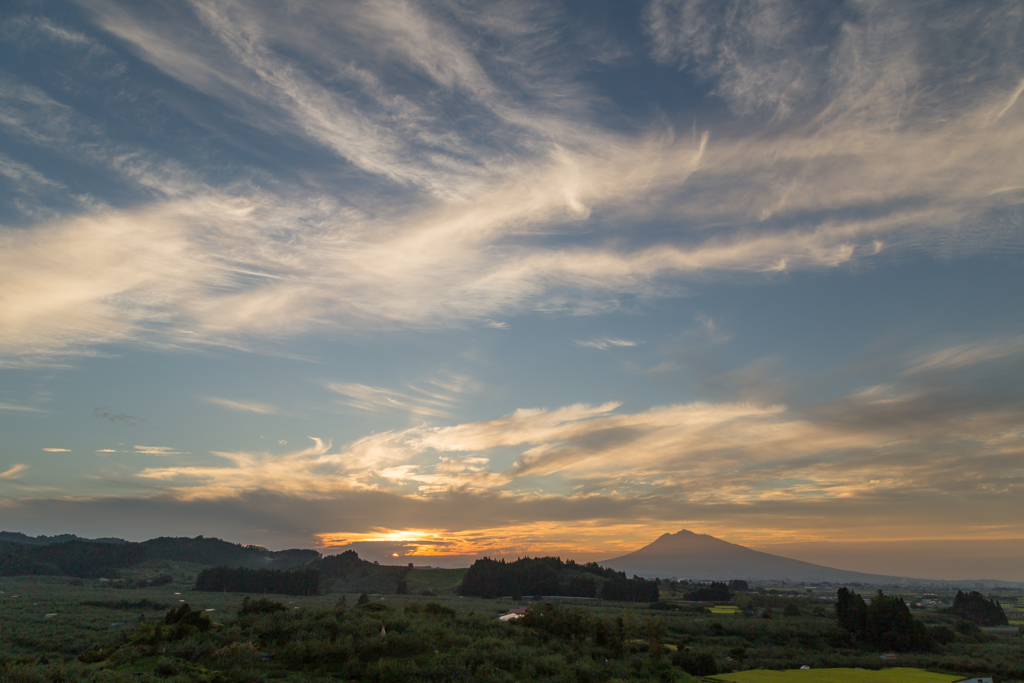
x: 725, y: 609
x: 894, y: 675
x: 48, y: 622
x: 440, y: 581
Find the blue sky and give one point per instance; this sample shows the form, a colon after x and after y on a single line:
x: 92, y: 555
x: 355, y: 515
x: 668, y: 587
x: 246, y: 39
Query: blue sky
x: 458, y: 278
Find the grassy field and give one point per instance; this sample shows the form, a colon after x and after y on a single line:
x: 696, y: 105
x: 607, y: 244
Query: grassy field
x: 441, y: 581
x: 725, y: 609
x: 58, y: 618
x: 894, y: 675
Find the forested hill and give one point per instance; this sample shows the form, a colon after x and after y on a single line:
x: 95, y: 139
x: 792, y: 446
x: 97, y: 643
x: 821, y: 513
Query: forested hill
x: 93, y: 559
x: 527, y: 577
x: 18, y: 537
x: 974, y: 607
x: 213, y: 551
x: 84, y: 559
x: 347, y: 572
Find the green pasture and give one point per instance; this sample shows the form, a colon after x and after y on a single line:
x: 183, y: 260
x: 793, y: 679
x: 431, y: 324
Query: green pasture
x: 725, y: 609
x: 440, y: 581
x: 58, y: 618
x: 894, y: 675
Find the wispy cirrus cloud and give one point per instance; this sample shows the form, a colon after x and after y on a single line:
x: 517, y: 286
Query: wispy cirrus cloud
x: 157, y: 450
x: 918, y: 444
x: 516, y: 210
x: 14, y: 471
x: 243, y: 406
x: 435, y: 396
x: 117, y: 417
x: 605, y: 343
x: 14, y: 408
x: 379, y: 399
x: 57, y: 450
x: 967, y: 355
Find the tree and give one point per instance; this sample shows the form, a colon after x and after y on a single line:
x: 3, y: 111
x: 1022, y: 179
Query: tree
x: 889, y: 625
x: 851, y: 611
x: 974, y: 607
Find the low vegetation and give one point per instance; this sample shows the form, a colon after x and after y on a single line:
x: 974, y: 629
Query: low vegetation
x: 974, y: 607
x: 540, y: 576
x: 158, y: 620
x: 894, y: 675
x: 96, y: 633
x: 242, y: 580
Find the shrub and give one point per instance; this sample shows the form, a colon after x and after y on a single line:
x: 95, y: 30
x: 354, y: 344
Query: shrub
x: 261, y: 606
x: 968, y: 628
x: 185, y: 616
x: 167, y: 667
x: 438, y: 609
x: 695, y: 664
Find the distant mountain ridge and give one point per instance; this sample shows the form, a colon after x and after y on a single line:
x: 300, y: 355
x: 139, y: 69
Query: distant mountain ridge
x: 18, y: 537
x: 687, y: 555
x: 70, y: 555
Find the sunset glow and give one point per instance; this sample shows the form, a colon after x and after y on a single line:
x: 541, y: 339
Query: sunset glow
x: 508, y: 279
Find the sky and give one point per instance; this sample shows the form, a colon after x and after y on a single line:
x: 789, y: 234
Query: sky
x: 451, y: 279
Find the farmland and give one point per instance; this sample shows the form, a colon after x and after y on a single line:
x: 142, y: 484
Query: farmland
x: 893, y: 675
x: 52, y: 623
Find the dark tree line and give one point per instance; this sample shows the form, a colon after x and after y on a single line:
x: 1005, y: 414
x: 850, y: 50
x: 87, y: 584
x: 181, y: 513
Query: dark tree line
x: 636, y: 589
x: 716, y: 591
x: 885, y: 622
x: 528, y: 576
x: 348, y: 572
x: 242, y: 580
x: 974, y: 607
x: 213, y: 551
x: 95, y: 559
x: 83, y: 559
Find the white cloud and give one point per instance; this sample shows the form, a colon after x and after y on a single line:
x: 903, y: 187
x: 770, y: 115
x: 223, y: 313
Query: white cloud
x: 14, y: 471
x: 522, y: 210
x: 605, y: 343
x: 57, y: 450
x: 966, y: 355
x: 157, y: 450
x: 909, y: 440
x: 244, y: 406
x: 20, y: 409
x: 379, y: 399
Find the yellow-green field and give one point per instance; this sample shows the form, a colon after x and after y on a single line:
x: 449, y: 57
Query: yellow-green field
x: 725, y: 609
x: 894, y: 675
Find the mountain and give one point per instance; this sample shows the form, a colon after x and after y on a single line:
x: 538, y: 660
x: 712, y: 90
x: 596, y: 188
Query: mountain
x: 70, y: 555
x: 18, y: 537
x: 686, y: 555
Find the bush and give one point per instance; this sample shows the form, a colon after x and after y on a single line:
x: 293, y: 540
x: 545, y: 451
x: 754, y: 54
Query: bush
x: 438, y: 609
x: 943, y: 635
x: 185, y: 616
x: 968, y: 628
x: 261, y: 606
x: 167, y: 668
x: 695, y: 664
